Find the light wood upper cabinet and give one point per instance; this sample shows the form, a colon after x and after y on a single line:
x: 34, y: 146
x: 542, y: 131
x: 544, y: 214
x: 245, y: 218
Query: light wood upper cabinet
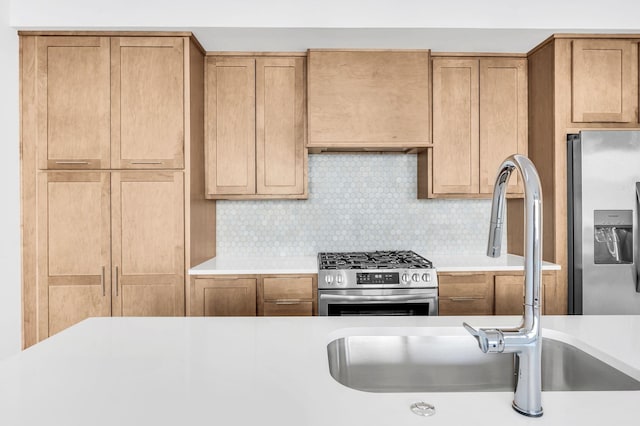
x: 503, y: 118
x: 361, y: 99
x: 479, y: 119
x: 456, y: 121
x: 280, y: 125
x: 225, y: 296
x: 147, y: 97
x: 230, y: 118
x: 255, y: 127
x: 110, y: 103
x: 604, y: 83
x: 73, y: 102
x: 74, y: 244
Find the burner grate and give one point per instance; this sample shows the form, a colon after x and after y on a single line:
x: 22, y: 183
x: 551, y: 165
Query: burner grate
x: 406, y: 259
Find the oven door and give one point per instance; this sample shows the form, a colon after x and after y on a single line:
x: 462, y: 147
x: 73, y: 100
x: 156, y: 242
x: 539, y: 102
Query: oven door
x: 370, y: 302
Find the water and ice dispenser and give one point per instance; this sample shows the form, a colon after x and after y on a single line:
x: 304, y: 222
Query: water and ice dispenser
x: 613, y: 236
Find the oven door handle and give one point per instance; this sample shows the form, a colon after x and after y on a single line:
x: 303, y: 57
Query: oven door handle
x: 390, y: 298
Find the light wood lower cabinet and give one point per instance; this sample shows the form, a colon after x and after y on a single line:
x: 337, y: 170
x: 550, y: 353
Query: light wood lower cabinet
x: 225, y: 296
x: 248, y: 295
x: 465, y: 294
x: 493, y: 293
x: 288, y: 296
x: 509, y: 291
x: 109, y: 244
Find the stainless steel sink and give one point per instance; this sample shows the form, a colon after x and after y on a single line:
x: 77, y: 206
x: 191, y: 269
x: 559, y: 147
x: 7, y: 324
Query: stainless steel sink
x: 455, y: 364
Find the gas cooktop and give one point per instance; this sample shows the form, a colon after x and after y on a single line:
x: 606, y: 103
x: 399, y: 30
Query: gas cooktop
x: 405, y: 259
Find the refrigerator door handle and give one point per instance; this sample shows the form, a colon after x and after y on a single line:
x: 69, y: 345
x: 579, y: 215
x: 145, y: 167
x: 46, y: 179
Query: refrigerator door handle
x: 636, y: 235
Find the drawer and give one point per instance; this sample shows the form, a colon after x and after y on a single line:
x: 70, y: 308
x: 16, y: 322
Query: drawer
x: 465, y: 306
x: 465, y: 285
x: 289, y: 288
x: 275, y: 309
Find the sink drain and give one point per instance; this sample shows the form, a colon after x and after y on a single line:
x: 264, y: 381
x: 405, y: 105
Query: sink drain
x: 423, y: 409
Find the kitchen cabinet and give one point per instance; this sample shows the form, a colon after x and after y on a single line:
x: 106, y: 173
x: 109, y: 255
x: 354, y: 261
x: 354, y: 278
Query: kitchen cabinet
x: 509, y: 294
x: 465, y: 294
x: 147, y: 102
x: 110, y: 102
x: 250, y: 295
x: 99, y: 237
x: 148, y: 243
x: 604, y: 81
x: 97, y: 231
x: 288, y: 296
x: 255, y: 131
x: 224, y: 296
x: 362, y: 99
x: 493, y: 293
x: 74, y: 265
x: 479, y: 119
x: 73, y: 102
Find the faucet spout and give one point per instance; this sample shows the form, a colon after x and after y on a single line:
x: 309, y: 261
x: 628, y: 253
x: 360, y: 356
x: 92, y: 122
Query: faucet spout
x: 524, y: 341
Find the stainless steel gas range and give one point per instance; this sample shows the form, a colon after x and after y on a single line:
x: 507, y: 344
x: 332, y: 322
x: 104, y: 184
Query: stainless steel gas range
x: 376, y: 283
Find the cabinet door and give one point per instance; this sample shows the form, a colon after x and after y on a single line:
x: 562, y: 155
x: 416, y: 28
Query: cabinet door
x: 465, y: 294
x: 74, y: 249
x: 368, y: 98
x: 455, y: 126
x: 147, y: 91
x: 280, y: 129
x: 148, y: 243
x: 224, y: 297
x: 73, y: 102
x: 503, y: 118
x: 509, y: 290
x: 230, y: 138
x: 604, y: 83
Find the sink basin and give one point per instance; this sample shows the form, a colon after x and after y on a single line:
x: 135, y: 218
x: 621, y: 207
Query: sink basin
x: 456, y: 364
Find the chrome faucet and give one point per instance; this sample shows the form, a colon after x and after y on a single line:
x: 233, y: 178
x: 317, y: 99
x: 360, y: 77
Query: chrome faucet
x: 524, y: 341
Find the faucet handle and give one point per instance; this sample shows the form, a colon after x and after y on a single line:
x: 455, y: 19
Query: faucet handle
x: 490, y: 340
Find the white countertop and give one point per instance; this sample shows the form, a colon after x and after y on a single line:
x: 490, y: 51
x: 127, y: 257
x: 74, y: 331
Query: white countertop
x: 226, y: 265
x: 470, y: 263
x: 274, y: 371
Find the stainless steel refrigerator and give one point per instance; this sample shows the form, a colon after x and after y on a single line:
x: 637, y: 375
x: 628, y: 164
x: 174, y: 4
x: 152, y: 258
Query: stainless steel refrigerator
x: 603, y: 208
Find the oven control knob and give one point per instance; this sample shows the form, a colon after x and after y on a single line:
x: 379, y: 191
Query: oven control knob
x: 339, y: 279
x: 328, y: 279
x: 405, y: 278
x: 415, y: 277
x: 426, y: 277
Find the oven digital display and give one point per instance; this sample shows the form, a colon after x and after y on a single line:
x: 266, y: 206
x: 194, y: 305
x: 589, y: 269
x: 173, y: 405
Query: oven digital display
x: 378, y: 278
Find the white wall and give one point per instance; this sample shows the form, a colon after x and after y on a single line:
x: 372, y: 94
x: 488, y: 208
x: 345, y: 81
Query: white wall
x: 9, y: 176
x: 594, y: 14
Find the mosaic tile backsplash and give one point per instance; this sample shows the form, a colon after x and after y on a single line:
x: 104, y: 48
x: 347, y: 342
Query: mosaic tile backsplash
x: 356, y: 202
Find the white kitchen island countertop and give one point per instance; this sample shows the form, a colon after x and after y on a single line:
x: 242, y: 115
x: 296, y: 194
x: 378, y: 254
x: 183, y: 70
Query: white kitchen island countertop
x: 274, y: 371
x: 238, y: 265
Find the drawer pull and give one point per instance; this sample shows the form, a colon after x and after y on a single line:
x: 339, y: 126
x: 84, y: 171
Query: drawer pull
x: 464, y: 299
x: 146, y: 162
x: 72, y: 162
x: 287, y: 302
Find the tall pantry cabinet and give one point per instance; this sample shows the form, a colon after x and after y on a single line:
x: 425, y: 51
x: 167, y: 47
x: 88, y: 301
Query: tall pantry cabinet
x: 113, y: 208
